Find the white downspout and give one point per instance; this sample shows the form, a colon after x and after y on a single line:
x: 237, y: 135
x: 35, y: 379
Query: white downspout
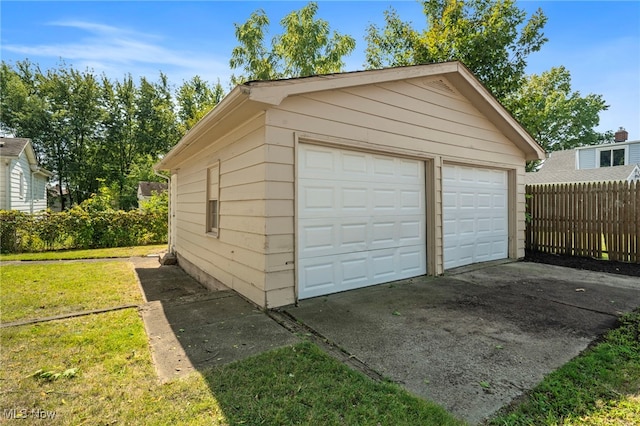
x: 31, y: 191
x: 7, y: 187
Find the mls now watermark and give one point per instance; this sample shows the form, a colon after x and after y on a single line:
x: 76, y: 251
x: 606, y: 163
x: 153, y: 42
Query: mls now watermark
x: 28, y: 413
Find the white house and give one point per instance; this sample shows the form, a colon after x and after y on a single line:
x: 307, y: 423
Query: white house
x: 23, y: 183
x: 616, y: 161
x: 297, y: 188
x: 147, y: 189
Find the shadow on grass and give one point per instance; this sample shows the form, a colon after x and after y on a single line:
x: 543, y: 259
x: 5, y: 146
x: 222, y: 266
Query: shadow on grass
x: 259, y: 372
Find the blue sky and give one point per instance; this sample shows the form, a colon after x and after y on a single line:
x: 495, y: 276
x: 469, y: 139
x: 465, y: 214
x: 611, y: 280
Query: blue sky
x: 598, y: 41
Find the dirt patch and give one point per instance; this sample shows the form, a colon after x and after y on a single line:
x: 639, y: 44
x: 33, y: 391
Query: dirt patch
x: 585, y: 263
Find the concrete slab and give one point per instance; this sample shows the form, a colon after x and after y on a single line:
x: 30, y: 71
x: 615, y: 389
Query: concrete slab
x: 473, y: 341
x: 191, y: 327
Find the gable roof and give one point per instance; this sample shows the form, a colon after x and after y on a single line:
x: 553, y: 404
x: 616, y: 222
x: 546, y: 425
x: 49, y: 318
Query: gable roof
x: 14, y: 147
x: 560, y: 167
x: 252, y: 97
x: 146, y: 189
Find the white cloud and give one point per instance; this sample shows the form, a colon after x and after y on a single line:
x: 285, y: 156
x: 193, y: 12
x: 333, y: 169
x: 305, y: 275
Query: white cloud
x: 119, y: 51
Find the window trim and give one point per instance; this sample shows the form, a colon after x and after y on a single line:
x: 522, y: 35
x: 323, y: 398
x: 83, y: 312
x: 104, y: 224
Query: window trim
x: 213, y: 195
x: 611, y: 149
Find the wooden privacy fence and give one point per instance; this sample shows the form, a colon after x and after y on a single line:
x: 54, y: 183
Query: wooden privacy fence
x: 592, y: 219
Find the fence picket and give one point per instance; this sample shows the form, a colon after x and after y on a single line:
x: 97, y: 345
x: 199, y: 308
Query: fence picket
x: 576, y: 218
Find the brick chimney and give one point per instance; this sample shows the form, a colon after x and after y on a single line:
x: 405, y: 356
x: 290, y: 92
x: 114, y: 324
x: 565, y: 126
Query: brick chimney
x: 621, y: 135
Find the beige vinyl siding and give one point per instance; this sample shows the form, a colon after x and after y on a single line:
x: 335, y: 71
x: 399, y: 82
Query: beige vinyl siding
x: 520, y: 211
x: 251, y: 251
x: 421, y: 117
x: 235, y: 257
x: 378, y: 127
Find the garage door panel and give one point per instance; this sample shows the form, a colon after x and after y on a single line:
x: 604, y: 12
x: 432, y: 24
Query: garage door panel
x: 368, y: 224
x: 349, y: 234
x: 318, y: 237
x: 343, y: 166
x: 343, y: 199
x: 475, y: 215
x: 354, y: 271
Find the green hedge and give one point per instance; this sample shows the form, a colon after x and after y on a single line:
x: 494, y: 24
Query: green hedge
x: 80, y: 228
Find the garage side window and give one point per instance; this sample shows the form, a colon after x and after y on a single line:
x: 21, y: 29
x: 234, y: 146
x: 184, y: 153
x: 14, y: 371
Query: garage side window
x: 213, y: 199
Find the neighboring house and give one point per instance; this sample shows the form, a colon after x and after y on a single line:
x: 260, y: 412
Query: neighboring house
x: 297, y: 188
x: 54, y: 198
x: 23, y: 183
x: 616, y: 161
x: 147, y: 189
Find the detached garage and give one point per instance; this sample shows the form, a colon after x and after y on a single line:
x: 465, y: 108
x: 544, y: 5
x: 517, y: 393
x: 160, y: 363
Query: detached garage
x: 298, y: 188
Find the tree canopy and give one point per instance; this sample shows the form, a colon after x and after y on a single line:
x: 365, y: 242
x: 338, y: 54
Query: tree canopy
x: 557, y: 117
x: 306, y: 47
x: 494, y: 39
x: 90, y: 130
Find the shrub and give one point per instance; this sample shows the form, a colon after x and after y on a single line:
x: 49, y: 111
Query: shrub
x: 92, y: 224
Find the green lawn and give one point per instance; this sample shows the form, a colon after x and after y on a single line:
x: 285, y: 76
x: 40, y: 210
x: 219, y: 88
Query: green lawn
x: 114, y: 381
x: 30, y: 291
x: 97, y: 369
x: 600, y: 387
x: 88, y: 254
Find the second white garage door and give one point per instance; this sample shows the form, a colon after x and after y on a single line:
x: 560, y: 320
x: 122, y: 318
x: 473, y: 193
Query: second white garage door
x: 475, y: 215
x: 361, y: 220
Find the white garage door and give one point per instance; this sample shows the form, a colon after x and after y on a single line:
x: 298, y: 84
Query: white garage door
x: 361, y: 220
x: 474, y: 214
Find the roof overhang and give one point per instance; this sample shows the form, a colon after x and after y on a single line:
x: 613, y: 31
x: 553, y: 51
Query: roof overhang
x: 247, y: 100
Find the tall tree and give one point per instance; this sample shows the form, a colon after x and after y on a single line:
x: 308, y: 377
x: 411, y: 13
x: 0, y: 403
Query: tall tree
x: 492, y: 38
x: 306, y: 47
x: 60, y: 112
x: 83, y: 119
x: 251, y: 55
x: 195, y: 98
x: 157, y: 129
x: 557, y: 117
x: 119, y: 149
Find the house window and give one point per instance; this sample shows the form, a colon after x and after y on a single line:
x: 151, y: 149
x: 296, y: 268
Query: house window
x: 213, y: 202
x: 22, y: 188
x: 612, y: 157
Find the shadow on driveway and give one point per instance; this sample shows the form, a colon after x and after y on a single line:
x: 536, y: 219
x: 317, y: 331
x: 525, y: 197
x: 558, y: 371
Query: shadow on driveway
x: 471, y: 341
x: 193, y: 328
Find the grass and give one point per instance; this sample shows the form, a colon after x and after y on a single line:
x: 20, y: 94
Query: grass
x: 302, y: 385
x: 111, y: 379
x: 114, y: 252
x: 600, y: 387
x: 30, y: 291
x: 115, y: 382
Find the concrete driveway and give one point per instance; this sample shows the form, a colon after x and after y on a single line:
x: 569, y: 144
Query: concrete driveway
x: 474, y: 340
